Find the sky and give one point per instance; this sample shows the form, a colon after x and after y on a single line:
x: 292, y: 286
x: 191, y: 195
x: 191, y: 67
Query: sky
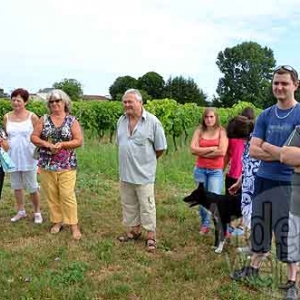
x: 96, y: 41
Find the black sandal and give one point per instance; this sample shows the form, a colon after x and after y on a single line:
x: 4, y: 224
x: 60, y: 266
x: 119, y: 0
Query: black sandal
x: 127, y: 238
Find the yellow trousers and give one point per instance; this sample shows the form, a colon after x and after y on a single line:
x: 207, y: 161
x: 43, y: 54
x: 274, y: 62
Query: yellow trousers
x: 58, y: 188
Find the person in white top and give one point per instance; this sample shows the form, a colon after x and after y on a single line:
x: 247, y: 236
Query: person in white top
x: 19, y: 124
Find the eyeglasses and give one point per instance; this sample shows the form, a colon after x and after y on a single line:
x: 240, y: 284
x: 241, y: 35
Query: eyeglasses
x: 54, y: 101
x: 287, y: 68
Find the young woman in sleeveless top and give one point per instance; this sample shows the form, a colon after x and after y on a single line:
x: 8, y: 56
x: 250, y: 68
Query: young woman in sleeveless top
x: 19, y: 125
x: 209, y: 144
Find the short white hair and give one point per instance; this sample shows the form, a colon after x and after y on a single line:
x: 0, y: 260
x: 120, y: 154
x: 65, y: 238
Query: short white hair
x: 136, y: 92
x: 59, y: 94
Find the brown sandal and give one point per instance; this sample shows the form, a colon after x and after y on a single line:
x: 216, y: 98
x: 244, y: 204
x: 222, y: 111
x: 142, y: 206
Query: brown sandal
x: 127, y: 238
x: 56, y: 228
x: 151, y: 245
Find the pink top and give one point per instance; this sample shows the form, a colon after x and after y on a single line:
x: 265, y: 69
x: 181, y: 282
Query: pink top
x: 210, y: 162
x: 235, y: 151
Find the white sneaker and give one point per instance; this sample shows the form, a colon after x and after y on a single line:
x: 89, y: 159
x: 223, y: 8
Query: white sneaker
x: 20, y: 215
x: 38, y: 219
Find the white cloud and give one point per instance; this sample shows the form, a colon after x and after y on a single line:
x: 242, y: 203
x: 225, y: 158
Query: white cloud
x: 51, y: 39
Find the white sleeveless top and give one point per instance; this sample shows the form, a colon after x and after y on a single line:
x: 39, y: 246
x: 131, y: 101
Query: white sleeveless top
x: 20, y: 147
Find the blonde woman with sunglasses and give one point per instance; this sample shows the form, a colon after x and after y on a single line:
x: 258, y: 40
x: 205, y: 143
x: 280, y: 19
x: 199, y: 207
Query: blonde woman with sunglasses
x: 58, y: 135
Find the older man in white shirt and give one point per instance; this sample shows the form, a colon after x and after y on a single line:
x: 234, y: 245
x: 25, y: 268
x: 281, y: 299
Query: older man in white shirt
x: 141, y: 140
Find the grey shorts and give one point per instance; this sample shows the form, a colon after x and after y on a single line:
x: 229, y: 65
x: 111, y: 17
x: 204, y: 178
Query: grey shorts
x: 270, y: 213
x: 24, y: 180
x: 294, y: 221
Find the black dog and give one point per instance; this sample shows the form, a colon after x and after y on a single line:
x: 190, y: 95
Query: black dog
x: 224, y: 208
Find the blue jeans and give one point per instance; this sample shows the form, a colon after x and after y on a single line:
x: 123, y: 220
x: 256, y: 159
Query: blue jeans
x: 213, y: 182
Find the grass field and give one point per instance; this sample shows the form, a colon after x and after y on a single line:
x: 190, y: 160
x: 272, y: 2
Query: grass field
x: 37, y: 265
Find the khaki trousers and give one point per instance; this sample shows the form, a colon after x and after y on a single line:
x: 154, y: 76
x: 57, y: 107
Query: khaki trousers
x: 58, y: 189
x: 138, y: 205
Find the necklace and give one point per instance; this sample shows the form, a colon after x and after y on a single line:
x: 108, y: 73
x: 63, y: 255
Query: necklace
x: 277, y: 115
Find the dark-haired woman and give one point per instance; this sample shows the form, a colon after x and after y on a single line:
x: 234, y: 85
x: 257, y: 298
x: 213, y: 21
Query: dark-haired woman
x: 19, y: 124
x: 238, y: 130
x: 247, y: 178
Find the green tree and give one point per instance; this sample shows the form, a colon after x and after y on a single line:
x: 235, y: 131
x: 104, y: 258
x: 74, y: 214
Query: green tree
x: 184, y: 91
x: 71, y: 86
x: 3, y: 94
x: 269, y: 98
x: 121, y: 84
x: 247, y: 70
x: 145, y: 96
x: 215, y: 101
x: 153, y: 84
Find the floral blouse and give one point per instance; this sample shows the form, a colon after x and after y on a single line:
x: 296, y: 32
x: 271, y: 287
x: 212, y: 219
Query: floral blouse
x: 64, y: 159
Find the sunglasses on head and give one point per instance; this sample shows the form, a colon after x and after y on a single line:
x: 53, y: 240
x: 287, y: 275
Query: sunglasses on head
x: 54, y: 101
x: 286, y: 68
